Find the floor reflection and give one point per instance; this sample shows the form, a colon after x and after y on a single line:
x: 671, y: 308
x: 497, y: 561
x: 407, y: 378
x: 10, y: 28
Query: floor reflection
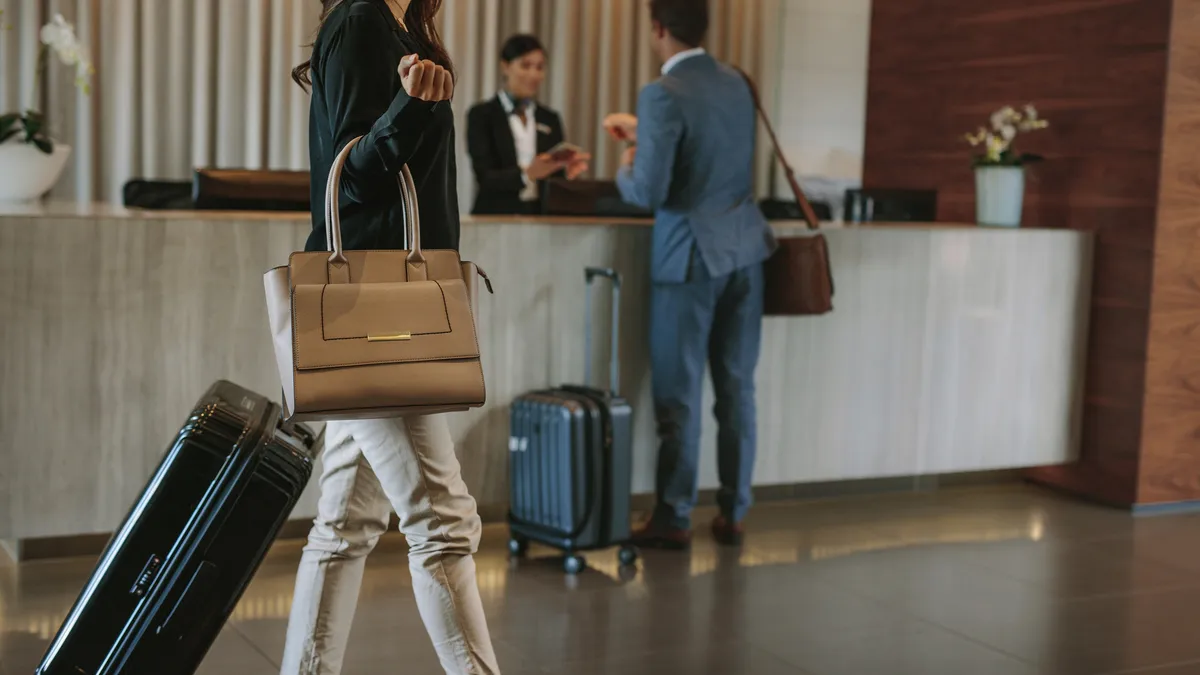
x: 987, y: 580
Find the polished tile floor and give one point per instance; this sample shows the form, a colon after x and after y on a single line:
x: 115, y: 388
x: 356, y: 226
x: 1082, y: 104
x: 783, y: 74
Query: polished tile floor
x: 983, y: 581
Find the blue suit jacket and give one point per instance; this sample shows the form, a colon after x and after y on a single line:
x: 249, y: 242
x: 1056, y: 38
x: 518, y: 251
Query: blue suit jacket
x: 695, y: 167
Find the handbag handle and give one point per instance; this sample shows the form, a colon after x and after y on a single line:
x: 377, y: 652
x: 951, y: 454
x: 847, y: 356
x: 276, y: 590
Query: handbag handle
x: 333, y: 218
x: 810, y: 216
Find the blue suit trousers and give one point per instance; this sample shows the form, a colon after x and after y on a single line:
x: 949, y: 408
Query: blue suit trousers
x: 718, y: 321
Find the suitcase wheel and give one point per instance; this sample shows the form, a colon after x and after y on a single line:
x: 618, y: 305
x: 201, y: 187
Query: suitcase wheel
x: 574, y: 564
x: 518, y: 547
x: 628, y: 555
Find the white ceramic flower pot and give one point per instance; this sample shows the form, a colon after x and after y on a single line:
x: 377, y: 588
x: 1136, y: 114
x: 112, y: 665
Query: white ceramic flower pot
x: 999, y: 195
x: 27, y: 173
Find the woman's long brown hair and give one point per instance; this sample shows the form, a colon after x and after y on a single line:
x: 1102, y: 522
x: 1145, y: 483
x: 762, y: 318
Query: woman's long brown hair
x: 419, y: 21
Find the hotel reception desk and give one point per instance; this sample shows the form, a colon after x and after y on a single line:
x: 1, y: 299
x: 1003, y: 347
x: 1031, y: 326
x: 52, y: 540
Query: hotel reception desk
x: 951, y: 349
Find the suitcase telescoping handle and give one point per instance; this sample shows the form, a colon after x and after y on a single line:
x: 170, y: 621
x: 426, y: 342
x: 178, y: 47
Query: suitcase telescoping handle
x: 614, y: 369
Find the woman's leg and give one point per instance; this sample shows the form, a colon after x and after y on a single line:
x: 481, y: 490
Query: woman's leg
x: 418, y: 470
x: 352, y: 514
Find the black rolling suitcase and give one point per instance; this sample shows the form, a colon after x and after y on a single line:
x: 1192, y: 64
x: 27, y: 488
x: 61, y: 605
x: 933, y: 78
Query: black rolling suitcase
x: 570, y: 460
x: 177, y: 566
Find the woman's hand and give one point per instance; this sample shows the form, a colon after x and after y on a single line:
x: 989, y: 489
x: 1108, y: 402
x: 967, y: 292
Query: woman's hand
x: 578, y: 165
x: 621, y: 127
x: 544, y: 166
x: 425, y: 80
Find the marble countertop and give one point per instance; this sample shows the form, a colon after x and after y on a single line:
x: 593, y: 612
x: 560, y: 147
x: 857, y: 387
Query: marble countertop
x: 68, y: 209
x: 101, y: 210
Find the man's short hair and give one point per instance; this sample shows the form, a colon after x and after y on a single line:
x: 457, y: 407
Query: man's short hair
x: 519, y: 45
x: 685, y: 20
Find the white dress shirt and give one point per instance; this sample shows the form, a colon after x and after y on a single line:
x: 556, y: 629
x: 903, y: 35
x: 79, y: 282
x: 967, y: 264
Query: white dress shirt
x: 525, y: 136
x: 681, y: 56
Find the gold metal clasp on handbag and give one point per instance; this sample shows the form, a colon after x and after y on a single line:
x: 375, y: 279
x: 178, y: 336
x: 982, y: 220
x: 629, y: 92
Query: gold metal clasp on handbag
x: 396, y: 337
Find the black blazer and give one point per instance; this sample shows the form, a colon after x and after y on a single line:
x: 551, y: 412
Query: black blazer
x: 494, y: 155
x: 357, y: 92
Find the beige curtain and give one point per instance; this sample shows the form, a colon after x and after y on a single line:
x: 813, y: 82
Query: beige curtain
x: 178, y: 84
x: 187, y: 83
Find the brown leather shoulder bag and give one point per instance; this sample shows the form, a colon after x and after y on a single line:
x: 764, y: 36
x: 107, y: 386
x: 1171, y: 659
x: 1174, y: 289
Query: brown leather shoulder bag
x: 372, y: 334
x: 798, y: 276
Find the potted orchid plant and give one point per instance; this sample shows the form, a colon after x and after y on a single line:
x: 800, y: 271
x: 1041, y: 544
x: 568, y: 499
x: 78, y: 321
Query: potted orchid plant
x: 999, y: 168
x: 31, y: 162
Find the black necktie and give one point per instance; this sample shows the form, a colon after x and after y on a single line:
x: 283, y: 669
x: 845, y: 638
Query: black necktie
x: 520, y: 107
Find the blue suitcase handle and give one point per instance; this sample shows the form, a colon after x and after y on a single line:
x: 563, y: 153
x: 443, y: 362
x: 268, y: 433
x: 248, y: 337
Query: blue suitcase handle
x: 607, y: 272
x: 614, y: 368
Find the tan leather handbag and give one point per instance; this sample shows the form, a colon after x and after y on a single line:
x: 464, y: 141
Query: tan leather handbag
x: 371, y: 334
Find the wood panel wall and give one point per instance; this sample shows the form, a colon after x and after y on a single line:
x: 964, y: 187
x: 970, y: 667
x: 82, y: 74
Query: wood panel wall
x: 1169, y: 462
x: 1097, y: 69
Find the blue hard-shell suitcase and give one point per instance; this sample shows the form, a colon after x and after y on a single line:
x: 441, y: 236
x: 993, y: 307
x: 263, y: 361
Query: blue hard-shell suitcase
x: 570, y: 460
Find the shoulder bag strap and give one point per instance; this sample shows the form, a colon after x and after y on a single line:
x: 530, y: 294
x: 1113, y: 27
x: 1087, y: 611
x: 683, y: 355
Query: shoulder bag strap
x: 810, y: 216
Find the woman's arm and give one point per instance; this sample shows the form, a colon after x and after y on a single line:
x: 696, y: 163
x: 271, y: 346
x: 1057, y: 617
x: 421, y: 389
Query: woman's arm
x: 485, y: 162
x: 578, y: 165
x: 557, y: 135
x: 358, y: 80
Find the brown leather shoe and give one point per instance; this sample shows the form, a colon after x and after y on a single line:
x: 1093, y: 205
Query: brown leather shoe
x: 727, y: 532
x: 656, y: 536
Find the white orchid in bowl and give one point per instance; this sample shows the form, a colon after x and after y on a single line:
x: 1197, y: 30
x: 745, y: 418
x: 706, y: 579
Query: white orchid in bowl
x: 997, y: 141
x: 58, y: 38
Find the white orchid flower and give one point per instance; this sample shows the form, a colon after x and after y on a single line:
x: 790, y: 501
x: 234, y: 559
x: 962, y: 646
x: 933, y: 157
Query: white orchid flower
x: 1002, y: 117
x: 978, y: 137
x: 998, y: 138
x: 59, y: 36
x: 995, y: 148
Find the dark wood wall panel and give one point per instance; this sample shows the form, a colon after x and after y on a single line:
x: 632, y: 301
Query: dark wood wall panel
x: 1169, y: 469
x: 1098, y: 70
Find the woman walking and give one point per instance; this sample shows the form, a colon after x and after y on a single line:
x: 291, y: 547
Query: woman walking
x: 379, y: 70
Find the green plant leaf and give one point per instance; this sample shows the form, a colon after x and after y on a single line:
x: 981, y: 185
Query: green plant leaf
x: 7, y: 122
x: 4, y: 136
x: 33, y: 125
x: 43, y: 144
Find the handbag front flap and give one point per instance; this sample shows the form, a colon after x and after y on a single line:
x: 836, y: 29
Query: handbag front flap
x: 343, y: 325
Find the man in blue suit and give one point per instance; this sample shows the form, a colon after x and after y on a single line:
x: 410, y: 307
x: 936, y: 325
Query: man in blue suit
x: 693, y: 164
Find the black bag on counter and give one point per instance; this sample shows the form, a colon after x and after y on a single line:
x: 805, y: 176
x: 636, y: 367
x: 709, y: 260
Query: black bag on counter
x: 781, y: 209
x: 159, y: 195
x: 583, y: 198
x: 176, y: 568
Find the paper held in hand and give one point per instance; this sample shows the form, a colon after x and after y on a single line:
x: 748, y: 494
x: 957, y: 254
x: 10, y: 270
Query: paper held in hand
x: 564, y: 152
